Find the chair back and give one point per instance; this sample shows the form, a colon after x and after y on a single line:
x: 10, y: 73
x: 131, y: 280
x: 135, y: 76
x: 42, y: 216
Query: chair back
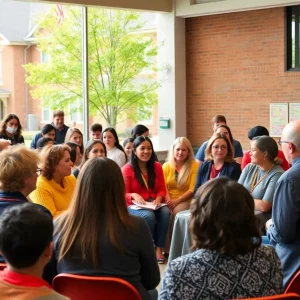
x: 294, y: 284
x: 288, y: 296
x: 78, y: 287
x: 2, y: 266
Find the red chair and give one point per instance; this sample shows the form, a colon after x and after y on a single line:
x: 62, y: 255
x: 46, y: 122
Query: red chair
x: 79, y: 287
x: 294, y: 285
x: 276, y: 297
x: 2, y: 266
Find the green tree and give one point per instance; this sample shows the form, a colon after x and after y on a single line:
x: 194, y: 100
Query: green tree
x: 118, y: 52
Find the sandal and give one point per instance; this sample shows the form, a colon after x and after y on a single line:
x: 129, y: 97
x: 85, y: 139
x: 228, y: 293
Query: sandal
x: 160, y: 259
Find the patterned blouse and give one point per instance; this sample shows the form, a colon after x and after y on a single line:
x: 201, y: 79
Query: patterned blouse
x: 206, y: 274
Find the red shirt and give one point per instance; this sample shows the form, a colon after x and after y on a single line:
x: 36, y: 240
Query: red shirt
x: 247, y: 159
x: 22, y: 279
x: 133, y: 186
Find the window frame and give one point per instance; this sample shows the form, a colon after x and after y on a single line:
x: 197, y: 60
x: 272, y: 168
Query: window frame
x: 289, y: 10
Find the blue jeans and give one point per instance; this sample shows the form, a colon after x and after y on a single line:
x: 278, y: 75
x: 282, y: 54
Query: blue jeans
x: 158, y: 222
x: 265, y: 240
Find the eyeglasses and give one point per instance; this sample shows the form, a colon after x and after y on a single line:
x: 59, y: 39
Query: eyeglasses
x: 38, y: 171
x: 281, y: 142
x: 219, y: 147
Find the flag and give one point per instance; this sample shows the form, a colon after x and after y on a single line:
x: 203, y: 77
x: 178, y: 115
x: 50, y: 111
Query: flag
x: 59, y: 14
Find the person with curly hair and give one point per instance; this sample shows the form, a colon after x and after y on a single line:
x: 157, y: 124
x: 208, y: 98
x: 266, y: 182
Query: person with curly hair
x: 229, y: 261
x: 56, y: 185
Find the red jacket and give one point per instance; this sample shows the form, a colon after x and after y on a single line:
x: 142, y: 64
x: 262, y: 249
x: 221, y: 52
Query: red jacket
x: 133, y: 186
x: 247, y: 159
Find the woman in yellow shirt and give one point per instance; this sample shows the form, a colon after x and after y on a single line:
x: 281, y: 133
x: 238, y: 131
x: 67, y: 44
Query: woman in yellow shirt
x: 180, y: 172
x: 56, y: 185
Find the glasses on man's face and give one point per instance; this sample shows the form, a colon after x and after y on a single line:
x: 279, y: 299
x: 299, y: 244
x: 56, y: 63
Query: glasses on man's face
x: 280, y: 142
x: 38, y: 171
x: 216, y: 147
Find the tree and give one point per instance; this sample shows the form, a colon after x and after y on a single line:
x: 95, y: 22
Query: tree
x: 118, y: 52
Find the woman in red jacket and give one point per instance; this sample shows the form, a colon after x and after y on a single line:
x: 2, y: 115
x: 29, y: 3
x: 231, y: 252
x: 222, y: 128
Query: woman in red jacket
x: 144, y: 181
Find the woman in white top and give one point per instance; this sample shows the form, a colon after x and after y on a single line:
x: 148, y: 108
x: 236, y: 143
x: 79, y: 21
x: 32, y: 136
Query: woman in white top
x: 113, y: 147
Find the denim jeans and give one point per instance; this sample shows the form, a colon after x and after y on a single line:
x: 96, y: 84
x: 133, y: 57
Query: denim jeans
x: 158, y: 222
x: 265, y: 240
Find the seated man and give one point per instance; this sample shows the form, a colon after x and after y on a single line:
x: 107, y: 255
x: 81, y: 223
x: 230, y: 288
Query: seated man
x: 284, y: 227
x: 26, y: 243
x: 238, y: 151
x: 60, y: 129
x: 96, y: 131
x: 259, y: 131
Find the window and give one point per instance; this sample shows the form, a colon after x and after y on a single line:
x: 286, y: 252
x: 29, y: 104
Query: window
x: 45, y: 57
x: 293, y: 38
x: 1, y: 79
x: 76, y: 113
x: 46, y: 114
x: 145, y: 120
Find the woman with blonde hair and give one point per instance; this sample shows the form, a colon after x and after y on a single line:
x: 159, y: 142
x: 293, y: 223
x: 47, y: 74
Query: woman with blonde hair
x: 96, y: 236
x: 218, y: 162
x: 180, y: 172
x: 74, y: 135
x: 56, y: 185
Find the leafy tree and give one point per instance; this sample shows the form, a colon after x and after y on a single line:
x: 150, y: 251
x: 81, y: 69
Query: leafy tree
x: 118, y: 52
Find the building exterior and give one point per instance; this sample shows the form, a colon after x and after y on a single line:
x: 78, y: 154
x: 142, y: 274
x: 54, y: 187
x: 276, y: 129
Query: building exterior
x: 18, y: 47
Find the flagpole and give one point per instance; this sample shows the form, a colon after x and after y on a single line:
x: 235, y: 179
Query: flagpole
x: 85, y: 80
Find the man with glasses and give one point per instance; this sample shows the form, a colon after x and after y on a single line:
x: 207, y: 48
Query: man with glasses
x: 283, y: 230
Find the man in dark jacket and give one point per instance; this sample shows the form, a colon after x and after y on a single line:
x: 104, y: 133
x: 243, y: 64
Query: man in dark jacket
x: 61, y: 129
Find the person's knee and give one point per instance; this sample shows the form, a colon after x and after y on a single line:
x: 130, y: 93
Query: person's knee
x: 149, y: 217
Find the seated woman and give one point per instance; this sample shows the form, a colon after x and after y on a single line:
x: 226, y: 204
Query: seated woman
x: 113, y: 147
x: 127, y: 145
x: 74, y: 135
x: 218, y: 161
x: 229, y: 261
x: 93, y: 149
x: 180, y: 172
x: 48, y: 132
x: 96, y: 236
x: 11, y: 129
x: 259, y: 131
x: 139, y: 130
x: 75, y: 157
x: 225, y: 130
x: 55, y: 185
x: 144, y: 181
x: 260, y: 176
x: 42, y: 142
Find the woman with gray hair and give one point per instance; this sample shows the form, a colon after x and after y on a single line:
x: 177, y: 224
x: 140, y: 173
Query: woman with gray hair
x: 260, y: 176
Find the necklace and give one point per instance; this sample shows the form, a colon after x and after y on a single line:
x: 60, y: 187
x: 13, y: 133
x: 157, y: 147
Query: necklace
x: 254, y: 184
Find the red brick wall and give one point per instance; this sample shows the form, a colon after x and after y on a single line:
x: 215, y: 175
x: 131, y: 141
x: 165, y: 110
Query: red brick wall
x: 235, y: 67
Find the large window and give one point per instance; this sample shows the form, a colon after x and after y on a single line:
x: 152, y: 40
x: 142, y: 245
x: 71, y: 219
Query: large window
x: 293, y: 38
x: 1, y: 81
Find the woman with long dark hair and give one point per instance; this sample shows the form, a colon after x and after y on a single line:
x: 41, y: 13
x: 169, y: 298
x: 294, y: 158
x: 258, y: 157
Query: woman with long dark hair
x: 144, y: 181
x: 11, y: 129
x: 114, y: 150
x: 96, y: 236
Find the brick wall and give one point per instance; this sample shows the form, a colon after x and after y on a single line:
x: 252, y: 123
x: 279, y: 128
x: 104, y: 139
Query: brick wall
x: 235, y: 67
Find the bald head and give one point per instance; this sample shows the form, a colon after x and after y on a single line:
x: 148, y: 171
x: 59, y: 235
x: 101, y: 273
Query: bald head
x: 291, y: 133
x: 290, y: 140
